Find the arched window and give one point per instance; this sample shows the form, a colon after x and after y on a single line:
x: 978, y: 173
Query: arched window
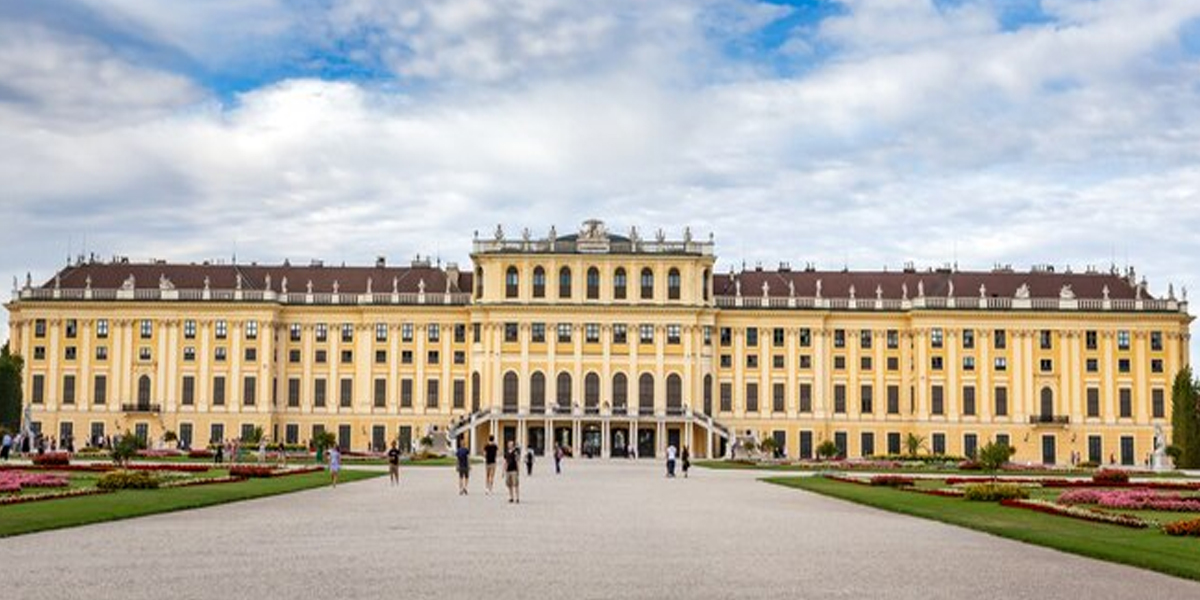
x: 478, y: 282
x: 143, y: 396
x: 647, y: 284
x: 539, y: 282
x: 620, y: 394
x: 537, y: 393
x: 646, y: 394
x: 673, y: 284
x: 674, y: 395
x: 511, y: 388
x: 563, y: 393
x: 591, y: 393
x: 619, y: 284
x: 511, y: 282
x: 476, y: 392
x: 708, y: 394
x: 593, y: 283
x: 1047, y: 403
x: 704, y: 285
x: 564, y: 282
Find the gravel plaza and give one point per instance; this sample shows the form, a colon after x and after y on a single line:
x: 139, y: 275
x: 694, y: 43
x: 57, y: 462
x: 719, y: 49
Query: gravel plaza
x: 609, y: 529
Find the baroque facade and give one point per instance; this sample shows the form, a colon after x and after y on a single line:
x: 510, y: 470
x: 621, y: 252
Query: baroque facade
x: 605, y: 343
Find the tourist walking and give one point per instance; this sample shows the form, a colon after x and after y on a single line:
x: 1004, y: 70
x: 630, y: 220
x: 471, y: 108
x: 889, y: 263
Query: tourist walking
x: 262, y: 450
x: 512, y: 472
x: 529, y: 462
x: 335, y: 464
x: 6, y: 446
x: 393, y: 457
x: 558, y: 456
x: 464, y: 468
x: 671, y: 460
x: 489, y: 460
x: 219, y: 454
x: 686, y: 457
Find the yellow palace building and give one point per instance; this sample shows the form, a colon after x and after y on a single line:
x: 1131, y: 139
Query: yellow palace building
x: 604, y: 343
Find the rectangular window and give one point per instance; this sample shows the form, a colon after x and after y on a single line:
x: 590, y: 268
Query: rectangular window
x: 805, y: 361
x: 406, y: 332
x: 1046, y: 339
x: 102, y: 328
x: 751, y: 336
x: 893, y: 363
x: 591, y: 333
x: 806, y: 397
x: 839, y: 363
x: 347, y: 356
x: 147, y: 329
x: 707, y: 335
x: 936, y: 337
x: 252, y: 330
x: 460, y: 357
x: 346, y: 393
x: 216, y: 433
x: 1095, y: 449
x: 218, y: 393
x: 1001, y: 399
x: 673, y: 334
x: 222, y: 329
x: 839, y: 398
x: 805, y: 337
x: 251, y: 354
x: 968, y: 363
x: 1123, y: 365
x: 968, y: 400
x: 839, y: 338
x: 406, y: 393
x: 867, y: 400
x: 726, y: 397
x: 1092, y: 365
x: 865, y: 363
x: 1047, y: 365
x: 970, y: 445
x: 620, y: 333
x: 1156, y: 344
x: 999, y: 339
x: 144, y: 353
x: 867, y: 444
x: 381, y: 332
x: 189, y: 390
x: 433, y: 357
x: 806, y: 444
x: 1158, y: 408
x: 406, y: 357
x: 646, y: 334
x: 291, y: 434
x: 1127, y: 454
x: 189, y: 354
x: 777, y: 361
x: 380, y: 393
x: 460, y: 333
x: 320, y: 392
x: 939, y: 443
x: 839, y: 440
x: 71, y: 328
x: 1123, y: 339
x: 537, y: 333
x: 1156, y: 365
x: 294, y: 331
x: 347, y: 333
x: 937, y: 400
x: 321, y: 357
x: 434, y: 332
x: 39, y: 328
x: 751, y: 397
x: 726, y: 336
x: 1126, y: 402
x: 68, y: 392
x: 752, y: 361
x: 249, y: 390
x: 778, y: 397
x: 1001, y: 363
x: 893, y: 399
x: 893, y: 339
x: 100, y: 390
x: 293, y: 400
x: 511, y: 331
x: 321, y: 332
x: 69, y: 353
x: 563, y: 332
x: 864, y: 339
x: 1093, y: 402
x: 936, y: 363
x: 460, y: 394
x: 381, y: 357
x: 431, y: 393
x: 1090, y: 339
x: 893, y: 442
x: 968, y: 339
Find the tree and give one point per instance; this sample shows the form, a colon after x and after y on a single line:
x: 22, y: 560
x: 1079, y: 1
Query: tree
x: 994, y: 455
x: 10, y: 389
x: 914, y: 443
x: 828, y: 450
x: 323, y: 441
x: 255, y: 436
x: 1185, y: 420
x: 768, y: 446
x: 126, y: 448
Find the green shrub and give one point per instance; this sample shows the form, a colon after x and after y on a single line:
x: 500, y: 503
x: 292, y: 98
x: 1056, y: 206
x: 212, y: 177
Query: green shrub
x: 994, y: 455
x: 828, y: 450
x: 126, y: 448
x: 127, y: 480
x: 992, y: 492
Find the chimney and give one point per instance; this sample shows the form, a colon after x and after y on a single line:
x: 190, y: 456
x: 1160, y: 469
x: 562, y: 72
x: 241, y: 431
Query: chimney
x: 380, y: 262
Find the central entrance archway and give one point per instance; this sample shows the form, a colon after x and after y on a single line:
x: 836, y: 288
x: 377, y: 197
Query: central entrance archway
x: 592, y: 440
x: 645, y: 442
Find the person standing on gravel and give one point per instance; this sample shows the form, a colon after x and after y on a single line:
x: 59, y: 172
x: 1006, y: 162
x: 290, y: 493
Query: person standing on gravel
x: 463, y: 454
x: 512, y: 472
x: 335, y: 464
x: 393, y: 457
x: 489, y: 459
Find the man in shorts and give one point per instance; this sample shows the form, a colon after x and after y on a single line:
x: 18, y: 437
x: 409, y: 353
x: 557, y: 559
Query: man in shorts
x: 463, y: 454
x: 489, y: 460
x: 512, y: 472
x: 393, y: 456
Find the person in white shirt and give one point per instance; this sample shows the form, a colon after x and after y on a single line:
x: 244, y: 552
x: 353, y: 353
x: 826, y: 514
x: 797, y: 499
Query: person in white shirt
x: 671, y: 460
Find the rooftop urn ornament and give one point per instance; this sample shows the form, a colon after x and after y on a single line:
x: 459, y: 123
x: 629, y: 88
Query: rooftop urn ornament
x: 1141, y: 287
x: 129, y: 283
x: 852, y: 291
x: 239, y: 281
x: 1066, y: 293
x: 904, y: 290
x: 448, y: 286
x: 336, y: 286
x: 421, y: 286
x: 499, y: 235
x: 920, y: 288
x: 16, y: 285
x: 553, y: 234
x: 687, y: 235
x: 206, y: 283
x: 818, y: 288
x: 879, y: 292
x: 737, y: 287
x: 766, y: 288
x: 1183, y: 291
x: 283, y: 285
x: 791, y: 288
x: 164, y: 283
x: 1022, y: 292
x: 982, y: 291
x: 395, y: 285
x: 633, y: 233
x: 267, y: 279
x: 1105, y: 292
x: 950, y: 292
x: 369, y: 282
x: 525, y: 234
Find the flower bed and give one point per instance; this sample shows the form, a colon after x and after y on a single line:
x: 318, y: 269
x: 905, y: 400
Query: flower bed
x: 1107, y: 476
x: 1134, y: 499
x: 127, y: 480
x: 6, y: 500
x: 15, y: 481
x: 1190, y: 527
x: 200, y: 453
x: 892, y: 481
x: 52, y: 459
x: 1075, y: 512
x: 158, y: 453
x: 260, y: 471
x: 944, y: 492
x: 990, y: 492
x: 200, y: 481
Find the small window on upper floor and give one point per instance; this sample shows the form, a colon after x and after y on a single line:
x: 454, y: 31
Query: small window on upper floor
x: 1046, y: 339
x: 102, y: 328
x: 39, y: 328
x: 72, y: 328
x: 564, y: 282
x: 936, y: 337
x: 512, y: 282
x: 252, y: 330
x: 647, y: 284
x: 147, y: 329
x: 1123, y: 339
x: 539, y: 282
x: 1156, y: 343
x: 673, y: 284
x: 620, y: 284
x: 221, y: 329
x: 593, y: 283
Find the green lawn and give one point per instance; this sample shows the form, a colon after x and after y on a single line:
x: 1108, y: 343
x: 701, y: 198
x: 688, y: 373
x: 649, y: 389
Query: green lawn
x: 69, y: 512
x: 1146, y: 548
x: 833, y: 467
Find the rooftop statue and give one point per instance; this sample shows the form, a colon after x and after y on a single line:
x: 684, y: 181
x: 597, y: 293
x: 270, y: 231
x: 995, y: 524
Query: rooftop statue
x: 1066, y: 293
x: 1022, y: 292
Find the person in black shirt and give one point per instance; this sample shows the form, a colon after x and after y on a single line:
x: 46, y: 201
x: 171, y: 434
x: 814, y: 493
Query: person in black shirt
x: 489, y: 459
x: 512, y: 472
x: 393, y: 456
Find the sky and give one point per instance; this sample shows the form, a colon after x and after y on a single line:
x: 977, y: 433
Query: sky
x: 843, y: 133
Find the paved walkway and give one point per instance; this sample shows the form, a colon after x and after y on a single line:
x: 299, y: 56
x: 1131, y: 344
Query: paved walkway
x: 600, y: 530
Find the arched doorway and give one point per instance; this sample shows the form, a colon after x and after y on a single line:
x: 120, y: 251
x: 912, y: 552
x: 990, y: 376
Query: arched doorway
x: 537, y: 393
x: 511, y: 387
x: 591, y: 394
x: 620, y: 394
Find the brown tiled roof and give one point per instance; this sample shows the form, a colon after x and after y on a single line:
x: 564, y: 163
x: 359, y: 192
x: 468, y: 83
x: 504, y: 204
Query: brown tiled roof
x: 351, y: 280
x: 1004, y: 284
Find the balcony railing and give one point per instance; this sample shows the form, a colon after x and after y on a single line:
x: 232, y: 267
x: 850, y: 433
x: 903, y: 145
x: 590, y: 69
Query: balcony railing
x: 141, y: 407
x: 957, y: 303
x: 1049, y: 420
